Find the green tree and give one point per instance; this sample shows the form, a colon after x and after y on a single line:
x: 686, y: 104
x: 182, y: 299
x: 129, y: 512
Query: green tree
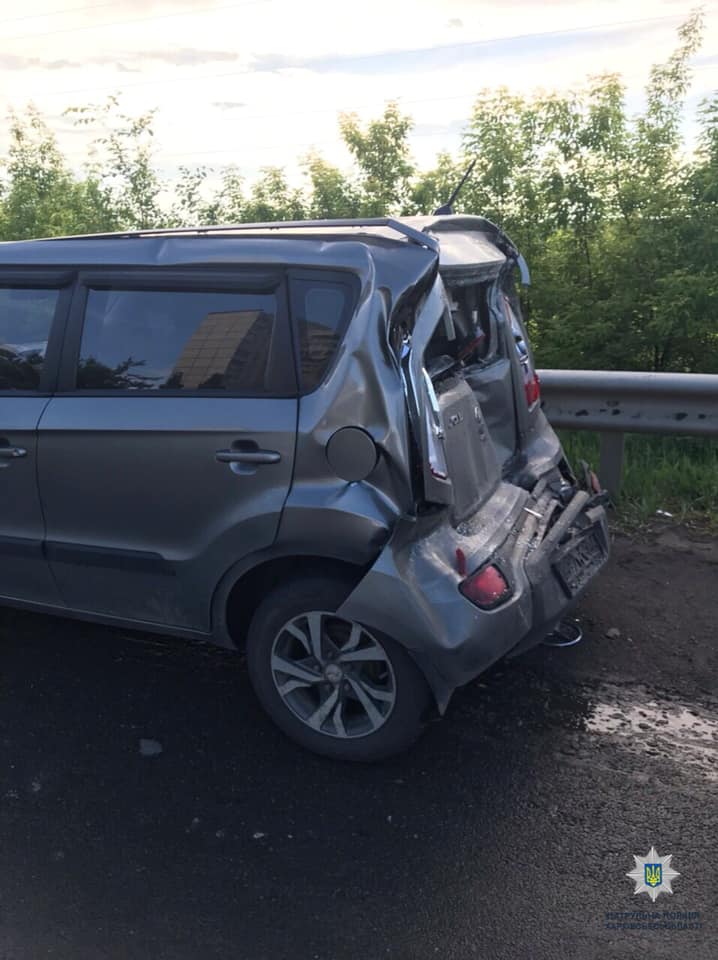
x: 189, y: 207
x: 381, y: 152
x: 121, y: 161
x: 600, y: 203
x: 228, y: 202
x: 618, y: 221
x: 433, y: 188
x: 332, y: 194
x: 271, y: 198
x: 39, y: 195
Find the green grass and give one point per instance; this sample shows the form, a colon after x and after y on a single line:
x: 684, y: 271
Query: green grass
x: 677, y: 474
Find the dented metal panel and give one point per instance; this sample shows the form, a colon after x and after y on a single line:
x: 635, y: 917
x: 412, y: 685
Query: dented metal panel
x: 412, y: 590
x: 411, y: 593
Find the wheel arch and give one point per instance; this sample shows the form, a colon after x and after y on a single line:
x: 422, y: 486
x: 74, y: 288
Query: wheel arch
x: 245, y: 584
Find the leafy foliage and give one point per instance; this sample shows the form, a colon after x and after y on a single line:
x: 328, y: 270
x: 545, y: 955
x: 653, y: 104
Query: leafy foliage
x: 381, y: 152
x: 617, y: 220
x: 39, y: 195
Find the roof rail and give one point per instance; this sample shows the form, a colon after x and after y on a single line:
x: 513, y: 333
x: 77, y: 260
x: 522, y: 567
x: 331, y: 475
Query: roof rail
x: 411, y: 233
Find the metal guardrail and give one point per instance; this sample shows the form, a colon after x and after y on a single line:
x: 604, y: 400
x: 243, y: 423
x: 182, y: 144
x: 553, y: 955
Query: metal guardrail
x: 614, y: 403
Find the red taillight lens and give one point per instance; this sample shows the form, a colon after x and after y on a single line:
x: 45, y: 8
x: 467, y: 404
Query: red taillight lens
x: 533, y: 390
x: 486, y: 588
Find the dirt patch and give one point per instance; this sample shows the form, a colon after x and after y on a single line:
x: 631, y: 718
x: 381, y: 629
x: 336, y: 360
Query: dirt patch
x: 654, y: 613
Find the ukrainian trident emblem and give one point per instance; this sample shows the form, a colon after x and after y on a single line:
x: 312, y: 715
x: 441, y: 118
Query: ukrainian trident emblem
x: 653, y: 874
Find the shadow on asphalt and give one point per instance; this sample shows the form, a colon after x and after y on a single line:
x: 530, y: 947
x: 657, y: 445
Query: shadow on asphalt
x: 232, y: 833
x: 513, y: 821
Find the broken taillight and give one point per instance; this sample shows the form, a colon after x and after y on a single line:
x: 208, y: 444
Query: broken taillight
x: 532, y: 388
x: 487, y: 587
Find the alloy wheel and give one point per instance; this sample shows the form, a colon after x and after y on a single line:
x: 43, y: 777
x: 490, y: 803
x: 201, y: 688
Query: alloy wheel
x: 333, y: 674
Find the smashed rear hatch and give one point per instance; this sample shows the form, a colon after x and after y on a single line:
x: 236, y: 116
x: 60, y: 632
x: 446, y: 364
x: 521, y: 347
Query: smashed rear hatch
x: 469, y: 368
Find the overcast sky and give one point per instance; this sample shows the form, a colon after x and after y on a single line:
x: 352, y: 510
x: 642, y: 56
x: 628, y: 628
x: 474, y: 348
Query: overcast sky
x: 259, y: 82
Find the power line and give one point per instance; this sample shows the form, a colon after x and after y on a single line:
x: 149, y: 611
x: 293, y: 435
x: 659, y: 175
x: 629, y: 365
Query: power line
x: 159, y: 16
x: 307, y: 146
x: 366, y: 106
x: 57, y: 13
x: 299, y: 147
x: 263, y: 147
x: 193, y: 78
x: 402, y: 101
x: 359, y: 107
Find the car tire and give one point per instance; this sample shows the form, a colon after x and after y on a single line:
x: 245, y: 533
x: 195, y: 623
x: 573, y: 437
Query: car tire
x: 353, y: 694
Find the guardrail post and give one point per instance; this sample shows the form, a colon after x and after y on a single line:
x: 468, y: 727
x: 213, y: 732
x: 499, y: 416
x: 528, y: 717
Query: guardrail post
x: 611, y: 462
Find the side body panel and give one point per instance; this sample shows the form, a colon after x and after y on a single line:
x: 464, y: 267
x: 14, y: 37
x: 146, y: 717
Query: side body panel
x: 142, y: 519
x: 24, y: 572
x: 363, y: 389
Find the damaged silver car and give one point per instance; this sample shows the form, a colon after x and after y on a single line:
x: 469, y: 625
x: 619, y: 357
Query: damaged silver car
x: 318, y: 442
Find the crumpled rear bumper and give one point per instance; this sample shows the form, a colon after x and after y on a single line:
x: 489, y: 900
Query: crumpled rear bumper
x: 411, y: 592
x: 550, y: 597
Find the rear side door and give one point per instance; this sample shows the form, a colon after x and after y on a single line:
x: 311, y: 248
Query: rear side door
x: 32, y: 310
x: 167, y: 453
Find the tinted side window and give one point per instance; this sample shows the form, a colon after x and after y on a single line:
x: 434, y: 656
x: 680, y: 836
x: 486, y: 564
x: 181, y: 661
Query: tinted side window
x: 321, y: 310
x: 178, y: 340
x: 26, y: 316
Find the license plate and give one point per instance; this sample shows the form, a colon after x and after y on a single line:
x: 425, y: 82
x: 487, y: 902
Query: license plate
x: 577, y: 566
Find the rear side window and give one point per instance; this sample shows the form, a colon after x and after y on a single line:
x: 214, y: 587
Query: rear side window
x: 321, y: 309
x: 26, y: 316
x: 179, y: 340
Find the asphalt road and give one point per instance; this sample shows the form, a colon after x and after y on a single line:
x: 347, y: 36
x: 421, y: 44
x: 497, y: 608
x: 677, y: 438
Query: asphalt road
x: 506, y: 833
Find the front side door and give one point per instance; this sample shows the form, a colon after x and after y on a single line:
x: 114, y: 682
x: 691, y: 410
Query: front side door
x: 167, y: 453
x: 32, y: 308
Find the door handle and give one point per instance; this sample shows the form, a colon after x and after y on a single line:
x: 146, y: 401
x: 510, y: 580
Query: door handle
x: 248, y: 456
x: 12, y: 453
